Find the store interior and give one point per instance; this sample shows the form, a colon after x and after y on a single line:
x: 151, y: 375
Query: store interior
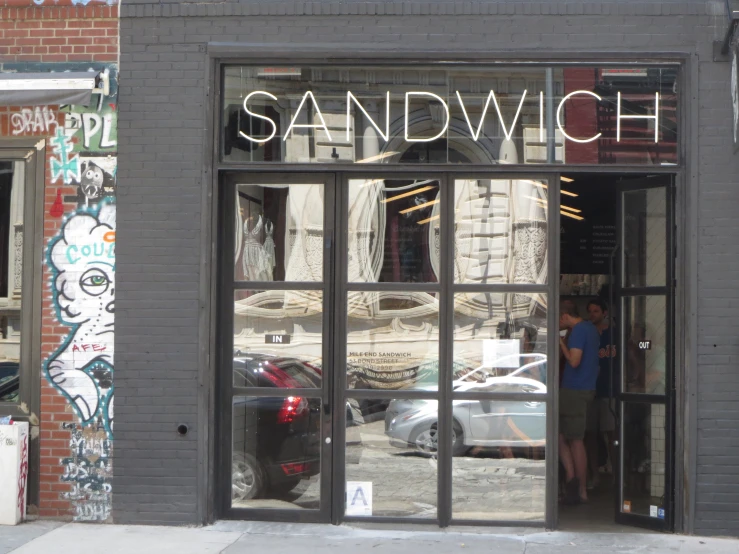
x: 589, y: 262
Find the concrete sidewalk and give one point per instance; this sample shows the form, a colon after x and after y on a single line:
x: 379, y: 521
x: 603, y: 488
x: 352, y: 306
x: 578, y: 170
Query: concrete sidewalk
x: 45, y: 537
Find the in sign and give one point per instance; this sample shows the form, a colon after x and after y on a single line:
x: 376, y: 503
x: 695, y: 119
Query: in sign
x: 277, y: 339
x: 645, y: 345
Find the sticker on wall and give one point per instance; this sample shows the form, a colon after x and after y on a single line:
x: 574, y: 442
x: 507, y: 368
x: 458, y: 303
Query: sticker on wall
x: 661, y: 513
x: 627, y: 507
x: 359, y: 498
x: 652, y: 511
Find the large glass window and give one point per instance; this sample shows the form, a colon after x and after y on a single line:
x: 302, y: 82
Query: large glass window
x: 429, y: 115
x: 12, y: 184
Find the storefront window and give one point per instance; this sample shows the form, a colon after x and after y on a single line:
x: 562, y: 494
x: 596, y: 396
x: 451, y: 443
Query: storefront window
x: 427, y: 115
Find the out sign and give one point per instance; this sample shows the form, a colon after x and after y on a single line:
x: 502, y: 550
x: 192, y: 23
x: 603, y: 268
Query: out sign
x: 645, y: 345
x: 277, y: 339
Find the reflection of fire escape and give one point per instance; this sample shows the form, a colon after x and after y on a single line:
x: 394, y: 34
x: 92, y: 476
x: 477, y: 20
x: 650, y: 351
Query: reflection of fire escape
x: 637, y: 135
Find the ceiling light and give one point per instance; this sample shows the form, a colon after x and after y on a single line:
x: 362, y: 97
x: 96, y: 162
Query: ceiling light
x: 407, y: 194
x: 432, y: 218
x: 573, y: 216
x: 420, y: 206
x: 565, y: 179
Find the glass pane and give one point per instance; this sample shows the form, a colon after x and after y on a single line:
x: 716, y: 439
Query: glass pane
x: 394, y: 230
x: 644, y: 459
x: 12, y: 181
x: 645, y: 238
x: 500, y: 342
x: 391, y: 469
x: 498, y: 472
x: 276, y: 452
x: 278, y: 338
x: 500, y: 231
x: 645, y: 326
x: 449, y: 115
x: 279, y: 232
x: 393, y: 340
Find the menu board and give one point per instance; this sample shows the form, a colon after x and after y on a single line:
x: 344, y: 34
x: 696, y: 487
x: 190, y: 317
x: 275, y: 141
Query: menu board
x: 587, y: 244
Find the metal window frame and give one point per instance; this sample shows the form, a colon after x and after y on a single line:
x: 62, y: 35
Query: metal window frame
x: 685, y: 294
x: 28, y: 407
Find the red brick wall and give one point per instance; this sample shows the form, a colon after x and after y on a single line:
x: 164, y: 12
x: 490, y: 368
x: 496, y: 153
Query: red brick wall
x: 58, y: 32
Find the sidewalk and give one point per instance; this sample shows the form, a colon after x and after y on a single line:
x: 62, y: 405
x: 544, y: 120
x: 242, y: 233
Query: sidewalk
x: 44, y: 537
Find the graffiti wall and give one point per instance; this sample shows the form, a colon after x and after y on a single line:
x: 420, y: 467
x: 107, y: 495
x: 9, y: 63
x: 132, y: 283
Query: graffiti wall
x: 80, y: 275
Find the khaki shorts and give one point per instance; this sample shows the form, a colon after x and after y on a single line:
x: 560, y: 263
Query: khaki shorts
x: 573, y: 412
x: 600, y: 415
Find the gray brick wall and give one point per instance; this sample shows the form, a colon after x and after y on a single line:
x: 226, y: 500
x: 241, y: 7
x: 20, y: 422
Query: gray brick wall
x: 161, y: 142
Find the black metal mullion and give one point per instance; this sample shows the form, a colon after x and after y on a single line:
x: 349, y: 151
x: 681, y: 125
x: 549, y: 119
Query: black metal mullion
x: 375, y: 394
x: 503, y: 396
x: 394, y: 287
x: 446, y: 353
x: 552, y: 433
x: 278, y: 285
x: 338, y: 368
x: 225, y: 357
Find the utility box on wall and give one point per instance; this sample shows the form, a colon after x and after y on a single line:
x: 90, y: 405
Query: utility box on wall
x: 13, y: 472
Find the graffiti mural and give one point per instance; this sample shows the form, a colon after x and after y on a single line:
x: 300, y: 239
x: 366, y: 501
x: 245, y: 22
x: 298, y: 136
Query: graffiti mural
x: 80, y: 230
x: 82, y: 262
x: 64, y: 164
x: 89, y: 470
x: 32, y: 121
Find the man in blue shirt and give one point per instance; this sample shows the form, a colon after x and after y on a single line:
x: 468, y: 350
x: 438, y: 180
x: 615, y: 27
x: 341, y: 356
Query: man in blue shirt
x: 577, y: 391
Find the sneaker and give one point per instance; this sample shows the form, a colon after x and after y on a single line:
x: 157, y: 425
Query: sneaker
x: 593, y: 483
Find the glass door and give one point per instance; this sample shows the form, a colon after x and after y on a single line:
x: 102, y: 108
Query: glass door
x: 274, y: 363
x: 645, y: 359
x: 443, y: 335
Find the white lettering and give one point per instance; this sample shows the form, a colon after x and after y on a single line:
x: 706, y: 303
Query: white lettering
x: 105, y: 141
x: 307, y: 95
x: 475, y: 135
x: 91, y: 124
x: 508, y: 133
x: 619, y: 117
x: 258, y: 116
x: 446, y: 119
x: 351, y: 98
x: 559, y: 116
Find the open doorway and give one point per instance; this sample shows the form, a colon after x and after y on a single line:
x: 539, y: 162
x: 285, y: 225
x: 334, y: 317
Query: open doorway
x: 616, y: 272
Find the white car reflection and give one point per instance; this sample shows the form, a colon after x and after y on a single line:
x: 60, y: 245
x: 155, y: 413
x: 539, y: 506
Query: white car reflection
x: 484, y: 423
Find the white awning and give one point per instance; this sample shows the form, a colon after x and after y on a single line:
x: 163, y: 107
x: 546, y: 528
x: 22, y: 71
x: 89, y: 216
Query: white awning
x: 32, y: 89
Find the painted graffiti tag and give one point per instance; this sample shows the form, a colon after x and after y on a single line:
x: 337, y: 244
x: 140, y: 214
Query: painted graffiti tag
x: 95, y: 127
x: 36, y: 120
x: 89, y: 471
x: 64, y: 165
x: 23, y: 478
x: 82, y: 260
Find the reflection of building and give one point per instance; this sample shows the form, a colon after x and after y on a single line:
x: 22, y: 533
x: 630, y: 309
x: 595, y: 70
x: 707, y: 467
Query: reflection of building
x: 393, y: 236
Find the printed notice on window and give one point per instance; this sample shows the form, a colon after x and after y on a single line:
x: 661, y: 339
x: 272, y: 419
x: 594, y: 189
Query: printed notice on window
x: 501, y: 353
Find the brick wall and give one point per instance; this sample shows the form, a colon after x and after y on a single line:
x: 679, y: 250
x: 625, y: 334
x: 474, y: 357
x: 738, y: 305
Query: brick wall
x: 40, y: 38
x: 58, y: 33
x: 163, y: 61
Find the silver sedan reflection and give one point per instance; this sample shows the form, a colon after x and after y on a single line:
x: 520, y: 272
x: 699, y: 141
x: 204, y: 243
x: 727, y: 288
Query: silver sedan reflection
x: 484, y: 423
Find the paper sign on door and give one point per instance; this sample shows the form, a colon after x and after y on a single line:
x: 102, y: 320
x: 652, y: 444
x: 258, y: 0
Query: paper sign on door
x: 359, y: 498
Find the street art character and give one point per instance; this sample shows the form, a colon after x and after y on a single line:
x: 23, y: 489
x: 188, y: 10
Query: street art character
x: 82, y: 261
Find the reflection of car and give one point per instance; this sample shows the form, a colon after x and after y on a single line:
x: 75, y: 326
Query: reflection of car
x: 9, y: 381
x: 475, y: 422
x: 276, y: 441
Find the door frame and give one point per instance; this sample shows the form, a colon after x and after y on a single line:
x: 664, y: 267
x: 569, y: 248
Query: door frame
x: 338, y: 287
x: 224, y: 353
x: 669, y: 292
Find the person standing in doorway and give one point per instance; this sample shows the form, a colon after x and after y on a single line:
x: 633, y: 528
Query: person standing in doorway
x: 602, y: 413
x: 578, y: 390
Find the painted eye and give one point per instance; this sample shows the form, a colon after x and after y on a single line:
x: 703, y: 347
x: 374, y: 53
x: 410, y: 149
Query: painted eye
x: 94, y: 282
x: 89, y: 174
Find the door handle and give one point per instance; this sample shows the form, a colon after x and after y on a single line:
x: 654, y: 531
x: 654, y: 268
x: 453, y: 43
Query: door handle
x: 326, y: 408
